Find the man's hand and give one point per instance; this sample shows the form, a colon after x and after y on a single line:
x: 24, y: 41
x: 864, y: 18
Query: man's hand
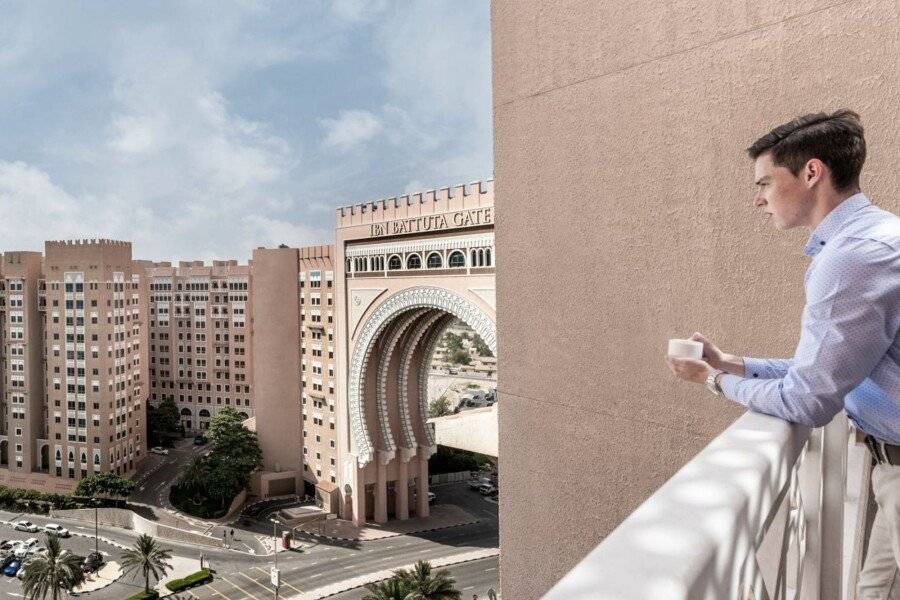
x: 718, y: 359
x: 689, y: 369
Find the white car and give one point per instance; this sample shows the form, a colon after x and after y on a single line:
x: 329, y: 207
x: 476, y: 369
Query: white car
x: 57, y: 530
x: 26, y: 526
x: 159, y: 450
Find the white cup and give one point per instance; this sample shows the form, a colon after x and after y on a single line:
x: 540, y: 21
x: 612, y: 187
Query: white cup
x: 685, y: 349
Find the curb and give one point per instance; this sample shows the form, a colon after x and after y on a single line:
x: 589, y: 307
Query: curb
x: 357, y: 582
x: 397, y: 534
x: 101, y: 538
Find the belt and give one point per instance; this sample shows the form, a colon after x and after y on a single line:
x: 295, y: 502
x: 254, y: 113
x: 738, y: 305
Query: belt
x: 882, y: 452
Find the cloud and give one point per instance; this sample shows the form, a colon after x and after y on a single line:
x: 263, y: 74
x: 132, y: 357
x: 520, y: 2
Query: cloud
x: 204, y: 129
x: 350, y: 129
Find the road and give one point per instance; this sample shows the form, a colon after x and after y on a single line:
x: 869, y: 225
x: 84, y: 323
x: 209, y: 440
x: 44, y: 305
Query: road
x: 158, y: 473
x: 475, y: 577
x: 243, y: 576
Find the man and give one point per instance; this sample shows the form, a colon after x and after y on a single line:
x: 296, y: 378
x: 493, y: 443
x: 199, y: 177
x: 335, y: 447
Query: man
x: 848, y: 356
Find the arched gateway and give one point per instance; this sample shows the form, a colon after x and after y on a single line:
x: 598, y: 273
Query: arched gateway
x: 411, y: 266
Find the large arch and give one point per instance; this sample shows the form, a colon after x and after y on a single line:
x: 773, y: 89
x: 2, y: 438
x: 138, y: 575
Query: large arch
x: 384, y: 315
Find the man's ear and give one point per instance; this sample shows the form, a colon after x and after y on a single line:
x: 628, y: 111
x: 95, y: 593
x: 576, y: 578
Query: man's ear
x: 813, y: 172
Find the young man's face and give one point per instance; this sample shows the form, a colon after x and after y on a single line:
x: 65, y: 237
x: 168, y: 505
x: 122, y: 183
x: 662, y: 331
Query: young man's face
x: 780, y: 193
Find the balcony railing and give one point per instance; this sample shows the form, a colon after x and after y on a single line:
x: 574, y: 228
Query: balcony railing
x: 757, y: 514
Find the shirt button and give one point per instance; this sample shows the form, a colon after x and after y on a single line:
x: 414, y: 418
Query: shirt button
x: 756, y: 374
x: 821, y: 243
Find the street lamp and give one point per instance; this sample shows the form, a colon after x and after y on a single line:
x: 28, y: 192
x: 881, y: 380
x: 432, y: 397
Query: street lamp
x: 275, y: 575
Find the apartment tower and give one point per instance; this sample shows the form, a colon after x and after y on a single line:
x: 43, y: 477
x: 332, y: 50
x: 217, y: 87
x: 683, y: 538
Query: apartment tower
x: 199, y: 338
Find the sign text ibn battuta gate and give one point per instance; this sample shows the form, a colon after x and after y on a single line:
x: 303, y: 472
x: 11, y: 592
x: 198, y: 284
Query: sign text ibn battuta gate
x: 463, y: 218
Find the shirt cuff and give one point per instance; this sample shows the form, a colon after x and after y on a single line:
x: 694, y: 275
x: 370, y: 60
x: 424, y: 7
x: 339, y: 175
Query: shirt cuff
x: 729, y: 384
x: 755, y: 368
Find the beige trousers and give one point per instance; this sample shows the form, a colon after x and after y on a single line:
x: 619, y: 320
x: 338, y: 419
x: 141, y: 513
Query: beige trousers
x: 880, y: 577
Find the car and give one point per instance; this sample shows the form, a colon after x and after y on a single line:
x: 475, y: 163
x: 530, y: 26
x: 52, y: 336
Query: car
x: 57, y: 530
x: 200, y: 440
x: 486, y: 489
x: 432, y: 497
x: 159, y: 450
x: 26, y: 526
x: 92, y: 562
x: 12, y: 568
x: 31, y: 542
x: 477, y: 482
x: 39, y: 550
x: 6, y: 559
x: 6, y: 544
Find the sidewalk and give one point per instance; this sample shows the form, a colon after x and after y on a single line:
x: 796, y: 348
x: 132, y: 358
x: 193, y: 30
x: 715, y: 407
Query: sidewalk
x: 442, y: 516
x: 107, y: 575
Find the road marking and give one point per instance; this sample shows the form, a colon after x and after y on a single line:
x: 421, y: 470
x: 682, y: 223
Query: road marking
x: 468, y: 588
x: 240, y: 588
x: 491, y: 569
x: 296, y: 589
x: 256, y: 582
x: 217, y: 592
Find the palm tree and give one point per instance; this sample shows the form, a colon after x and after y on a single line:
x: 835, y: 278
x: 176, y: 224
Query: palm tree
x: 425, y: 585
x: 389, y: 589
x: 52, y: 574
x: 148, y: 558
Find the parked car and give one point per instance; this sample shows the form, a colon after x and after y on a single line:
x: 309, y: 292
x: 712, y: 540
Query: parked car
x: 159, y: 450
x: 92, y: 562
x: 39, y: 550
x: 26, y: 526
x: 200, y: 440
x: 6, y: 545
x: 486, y: 489
x: 477, y: 482
x: 31, y: 542
x: 12, y: 568
x: 57, y: 530
x: 6, y: 558
x: 20, y: 574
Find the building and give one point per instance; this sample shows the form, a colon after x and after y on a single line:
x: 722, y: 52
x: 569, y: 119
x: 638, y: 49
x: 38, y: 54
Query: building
x: 74, y: 362
x: 199, y: 338
x: 405, y: 269
x: 294, y: 347
x: 623, y: 195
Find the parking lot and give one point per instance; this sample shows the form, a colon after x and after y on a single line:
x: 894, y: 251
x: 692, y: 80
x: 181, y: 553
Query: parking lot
x: 78, y: 544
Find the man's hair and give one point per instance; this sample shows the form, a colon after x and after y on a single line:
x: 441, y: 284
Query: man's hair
x: 836, y: 139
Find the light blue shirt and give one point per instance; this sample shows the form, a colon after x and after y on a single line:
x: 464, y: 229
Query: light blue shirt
x: 848, y: 356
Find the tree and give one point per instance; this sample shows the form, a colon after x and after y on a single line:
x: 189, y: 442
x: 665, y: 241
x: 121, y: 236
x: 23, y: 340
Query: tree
x: 105, y: 484
x: 481, y: 347
x: 147, y: 558
x: 52, y: 575
x: 425, y: 585
x: 235, y: 454
x: 460, y: 357
x: 193, y: 477
x: 440, y: 407
x: 163, y: 421
x: 389, y: 589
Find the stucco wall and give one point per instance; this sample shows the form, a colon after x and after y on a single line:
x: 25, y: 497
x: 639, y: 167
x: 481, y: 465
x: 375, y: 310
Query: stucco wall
x: 623, y: 218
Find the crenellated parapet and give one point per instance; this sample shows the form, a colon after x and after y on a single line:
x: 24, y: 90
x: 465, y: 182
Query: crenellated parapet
x: 476, y: 195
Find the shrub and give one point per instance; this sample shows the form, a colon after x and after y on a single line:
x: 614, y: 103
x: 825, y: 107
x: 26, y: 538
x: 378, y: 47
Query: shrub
x: 142, y: 595
x: 200, y: 577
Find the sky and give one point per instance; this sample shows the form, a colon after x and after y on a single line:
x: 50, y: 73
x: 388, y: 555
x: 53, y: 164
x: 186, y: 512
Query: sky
x: 204, y: 129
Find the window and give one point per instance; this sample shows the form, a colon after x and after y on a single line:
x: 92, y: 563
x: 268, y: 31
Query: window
x: 457, y: 259
x: 413, y: 262
x: 435, y: 261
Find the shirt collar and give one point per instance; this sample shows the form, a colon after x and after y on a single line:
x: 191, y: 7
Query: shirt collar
x: 833, y: 222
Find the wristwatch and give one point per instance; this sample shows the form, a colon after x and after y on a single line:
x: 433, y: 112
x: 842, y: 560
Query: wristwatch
x: 711, y: 383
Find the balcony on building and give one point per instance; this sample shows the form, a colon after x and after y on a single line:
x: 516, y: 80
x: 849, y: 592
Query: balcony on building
x: 768, y: 509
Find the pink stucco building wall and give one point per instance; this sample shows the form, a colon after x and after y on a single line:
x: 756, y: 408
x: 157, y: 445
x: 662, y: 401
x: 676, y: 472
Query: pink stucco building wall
x: 623, y: 194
